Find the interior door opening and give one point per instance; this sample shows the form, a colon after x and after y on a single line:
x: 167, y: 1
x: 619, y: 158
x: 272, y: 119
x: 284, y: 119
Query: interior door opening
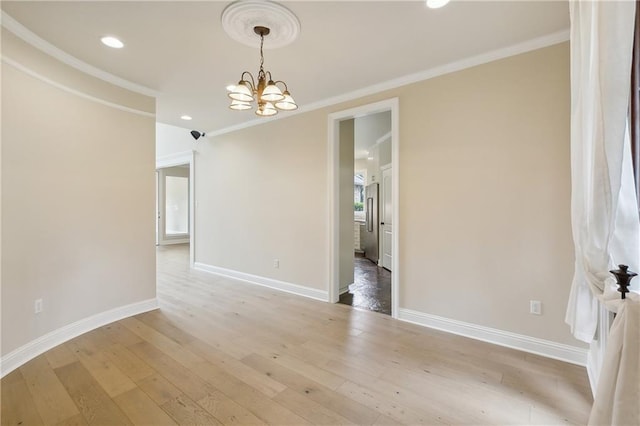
x: 172, y: 205
x: 363, y: 153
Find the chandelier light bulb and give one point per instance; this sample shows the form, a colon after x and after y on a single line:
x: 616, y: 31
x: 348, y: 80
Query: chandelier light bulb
x: 287, y: 103
x: 266, y: 109
x: 272, y: 93
x: 242, y: 92
x: 239, y: 105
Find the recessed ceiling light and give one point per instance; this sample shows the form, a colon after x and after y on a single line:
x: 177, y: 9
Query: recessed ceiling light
x: 186, y: 117
x: 435, y: 4
x: 112, y: 42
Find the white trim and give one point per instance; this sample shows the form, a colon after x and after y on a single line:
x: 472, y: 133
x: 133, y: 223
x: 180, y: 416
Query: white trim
x: 483, y: 58
x: 169, y: 241
x: 25, y: 353
x: 263, y: 281
x: 68, y: 89
x: 546, y: 348
x: 176, y: 159
x: 39, y: 43
x: 392, y: 105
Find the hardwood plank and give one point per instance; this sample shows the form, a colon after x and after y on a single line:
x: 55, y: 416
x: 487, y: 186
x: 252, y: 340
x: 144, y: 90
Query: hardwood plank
x: 382, y: 405
x: 118, y: 333
x: 128, y: 362
x: 159, y: 389
x: 77, y: 420
x: 317, y: 374
x: 105, y: 372
x: 141, y: 409
x: 18, y: 406
x: 60, y: 356
x: 49, y: 395
x: 179, y: 376
x: 258, y: 381
x: 383, y: 420
x: 186, y: 412
x: 93, y: 402
x: 322, y: 395
x: 309, y: 409
x: 228, y: 412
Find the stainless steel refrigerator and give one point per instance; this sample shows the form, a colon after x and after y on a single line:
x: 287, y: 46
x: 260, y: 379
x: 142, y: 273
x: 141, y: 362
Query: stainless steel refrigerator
x: 370, y: 237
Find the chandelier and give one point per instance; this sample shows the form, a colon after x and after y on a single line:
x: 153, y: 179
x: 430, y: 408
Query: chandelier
x: 266, y: 93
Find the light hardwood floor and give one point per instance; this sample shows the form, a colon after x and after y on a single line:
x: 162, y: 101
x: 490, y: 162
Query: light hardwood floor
x: 223, y: 351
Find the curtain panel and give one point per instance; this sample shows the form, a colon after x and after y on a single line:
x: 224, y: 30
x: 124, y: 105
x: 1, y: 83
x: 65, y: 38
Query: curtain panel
x: 604, y: 213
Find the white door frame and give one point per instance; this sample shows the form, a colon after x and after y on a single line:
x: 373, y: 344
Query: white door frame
x: 177, y: 159
x: 392, y: 105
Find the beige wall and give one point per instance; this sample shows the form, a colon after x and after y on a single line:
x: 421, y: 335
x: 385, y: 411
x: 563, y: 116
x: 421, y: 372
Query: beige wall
x: 484, y: 195
x: 77, y: 200
x: 485, y: 178
x: 261, y: 194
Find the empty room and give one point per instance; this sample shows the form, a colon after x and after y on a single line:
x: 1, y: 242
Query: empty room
x: 320, y: 212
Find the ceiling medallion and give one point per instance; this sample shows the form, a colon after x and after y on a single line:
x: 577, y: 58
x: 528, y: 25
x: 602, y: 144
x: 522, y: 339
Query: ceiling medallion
x: 241, y: 17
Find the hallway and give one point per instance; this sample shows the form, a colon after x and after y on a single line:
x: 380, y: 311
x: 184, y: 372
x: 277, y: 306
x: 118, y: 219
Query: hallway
x: 371, y: 288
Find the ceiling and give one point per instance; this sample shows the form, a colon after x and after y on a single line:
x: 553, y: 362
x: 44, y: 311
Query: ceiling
x: 179, y: 50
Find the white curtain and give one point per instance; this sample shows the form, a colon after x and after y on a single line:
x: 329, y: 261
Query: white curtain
x: 603, y: 201
x: 617, y: 399
x: 604, y: 212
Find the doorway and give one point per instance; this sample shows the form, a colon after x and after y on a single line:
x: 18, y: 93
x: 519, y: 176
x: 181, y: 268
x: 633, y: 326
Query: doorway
x: 175, y: 201
x: 172, y: 205
x: 361, y: 280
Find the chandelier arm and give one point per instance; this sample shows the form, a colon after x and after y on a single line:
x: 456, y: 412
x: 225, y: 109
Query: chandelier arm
x: 283, y: 83
x: 252, y: 82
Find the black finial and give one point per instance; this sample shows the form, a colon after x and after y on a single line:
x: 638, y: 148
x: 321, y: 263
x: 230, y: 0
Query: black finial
x: 623, y: 277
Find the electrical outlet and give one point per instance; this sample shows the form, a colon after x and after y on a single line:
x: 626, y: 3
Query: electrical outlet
x: 37, y: 306
x: 276, y: 263
x: 535, y: 307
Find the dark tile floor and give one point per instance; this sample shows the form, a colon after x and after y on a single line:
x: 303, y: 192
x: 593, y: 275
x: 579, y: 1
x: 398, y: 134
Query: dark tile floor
x: 371, y: 288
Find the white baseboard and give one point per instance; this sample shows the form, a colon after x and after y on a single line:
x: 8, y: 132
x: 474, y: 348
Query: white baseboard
x: 25, y: 353
x: 265, y: 282
x: 174, y: 241
x: 546, y: 348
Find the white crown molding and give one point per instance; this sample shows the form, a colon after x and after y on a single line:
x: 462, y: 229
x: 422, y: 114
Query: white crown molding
x: 546, y: 348
x: 25, y: 353
x: 175, y: 159
x: 264, y: 282
x: 483, y: 58
x: 39, y: 43
x: 75, y: 92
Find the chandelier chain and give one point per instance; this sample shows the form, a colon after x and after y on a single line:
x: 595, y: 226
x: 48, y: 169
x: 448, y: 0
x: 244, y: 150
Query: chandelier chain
x: 261, y: 54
